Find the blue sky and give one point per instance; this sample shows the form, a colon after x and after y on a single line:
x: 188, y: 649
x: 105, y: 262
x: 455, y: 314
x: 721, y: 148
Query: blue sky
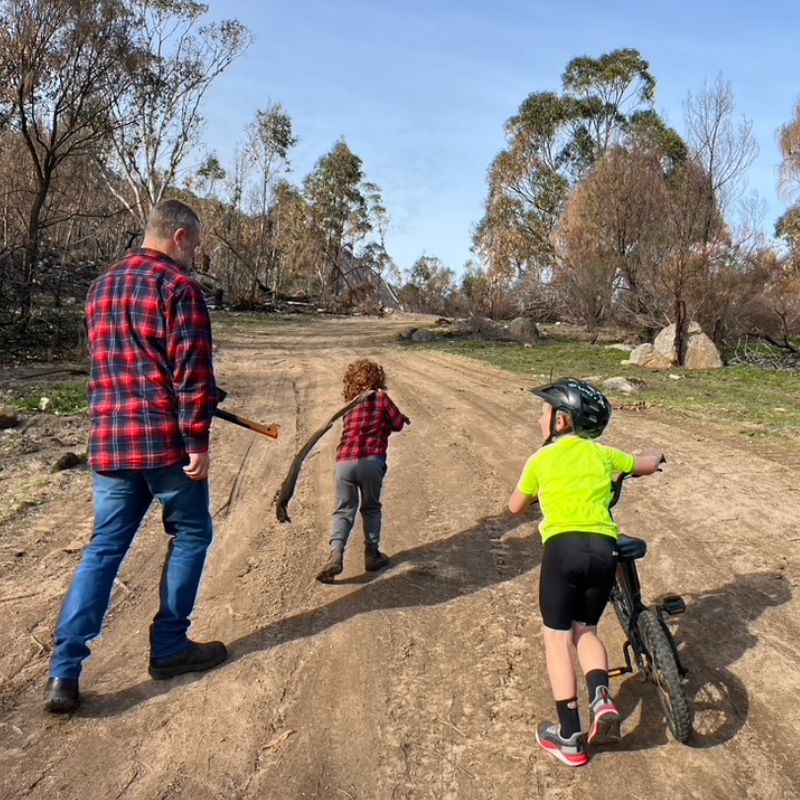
x: 421, y: 90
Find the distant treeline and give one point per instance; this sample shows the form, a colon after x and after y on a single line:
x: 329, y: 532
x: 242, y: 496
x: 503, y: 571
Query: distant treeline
x: 597, y: 211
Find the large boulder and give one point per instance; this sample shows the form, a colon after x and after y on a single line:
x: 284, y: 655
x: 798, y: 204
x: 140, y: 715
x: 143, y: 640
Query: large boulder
x: 473, y: 325
x: 523, y: 329
x: 645, y: 355
x: 421, y: 336
x: 701, y: 352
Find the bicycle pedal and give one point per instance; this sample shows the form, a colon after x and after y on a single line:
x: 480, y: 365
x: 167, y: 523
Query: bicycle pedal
x: 673, y: 605
x: 617, y: 671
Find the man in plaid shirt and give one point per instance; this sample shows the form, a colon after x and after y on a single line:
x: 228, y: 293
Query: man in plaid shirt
x: 152, y: 395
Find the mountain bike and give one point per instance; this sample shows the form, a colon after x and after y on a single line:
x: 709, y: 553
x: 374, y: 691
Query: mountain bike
x: 649, y: 646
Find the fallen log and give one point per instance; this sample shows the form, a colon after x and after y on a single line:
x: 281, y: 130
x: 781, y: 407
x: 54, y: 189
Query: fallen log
x: 284, y: 494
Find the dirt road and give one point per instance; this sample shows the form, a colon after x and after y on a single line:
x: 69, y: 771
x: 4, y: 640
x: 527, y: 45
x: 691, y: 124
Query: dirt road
x: 425, y: 681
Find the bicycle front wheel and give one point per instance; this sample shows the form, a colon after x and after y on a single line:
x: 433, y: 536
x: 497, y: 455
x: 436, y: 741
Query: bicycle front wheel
x: 665, y: 675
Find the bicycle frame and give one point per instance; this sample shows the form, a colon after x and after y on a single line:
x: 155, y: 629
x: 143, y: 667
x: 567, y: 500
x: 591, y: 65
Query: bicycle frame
x: 627, y: 585
x: 628, y: 588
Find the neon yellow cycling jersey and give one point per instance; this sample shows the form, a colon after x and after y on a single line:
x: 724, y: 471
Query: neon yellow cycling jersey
x: 572, y: 478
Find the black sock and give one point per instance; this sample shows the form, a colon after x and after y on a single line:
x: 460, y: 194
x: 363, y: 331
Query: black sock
x: 568, y: 717
x: 596, y: 678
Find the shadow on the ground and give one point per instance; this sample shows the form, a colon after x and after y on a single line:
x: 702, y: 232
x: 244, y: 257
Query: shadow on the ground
x: 428, y: 575
x: 713, y: 634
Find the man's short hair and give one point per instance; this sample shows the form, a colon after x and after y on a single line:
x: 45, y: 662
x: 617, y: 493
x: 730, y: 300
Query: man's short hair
x: 169, y: 215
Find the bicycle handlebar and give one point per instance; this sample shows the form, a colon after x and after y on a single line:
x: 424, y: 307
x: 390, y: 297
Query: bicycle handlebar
x: 616, y: 484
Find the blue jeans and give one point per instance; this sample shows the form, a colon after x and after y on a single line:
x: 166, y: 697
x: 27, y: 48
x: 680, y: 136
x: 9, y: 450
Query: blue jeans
x: 121, y: 499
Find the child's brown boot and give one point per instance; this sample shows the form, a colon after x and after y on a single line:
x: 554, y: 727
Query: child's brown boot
x: 373, y: 558
x: 333, y: 566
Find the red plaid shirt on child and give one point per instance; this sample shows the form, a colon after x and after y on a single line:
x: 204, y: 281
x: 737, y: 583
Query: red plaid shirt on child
x: 152, y: 391
x: 368, y: 426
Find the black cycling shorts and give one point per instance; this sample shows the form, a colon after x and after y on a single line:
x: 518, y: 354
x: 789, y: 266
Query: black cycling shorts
x: 576, y: 578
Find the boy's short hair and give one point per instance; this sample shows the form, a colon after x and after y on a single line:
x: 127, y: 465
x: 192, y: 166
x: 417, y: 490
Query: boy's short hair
x: 168, y: 216
x: 565, y: 416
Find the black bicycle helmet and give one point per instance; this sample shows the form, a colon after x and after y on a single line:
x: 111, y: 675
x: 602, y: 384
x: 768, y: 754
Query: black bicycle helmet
x: 588, y: 409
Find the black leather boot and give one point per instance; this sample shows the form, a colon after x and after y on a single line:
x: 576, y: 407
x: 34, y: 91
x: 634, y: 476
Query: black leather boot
x: 373, y: 558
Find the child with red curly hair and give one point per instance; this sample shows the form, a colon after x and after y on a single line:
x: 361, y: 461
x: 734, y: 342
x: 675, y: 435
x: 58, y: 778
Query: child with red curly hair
x: 361, y: 465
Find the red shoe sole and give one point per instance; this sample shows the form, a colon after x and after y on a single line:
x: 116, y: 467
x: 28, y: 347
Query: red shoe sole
x: 605, y: 727
x: 564, y: 758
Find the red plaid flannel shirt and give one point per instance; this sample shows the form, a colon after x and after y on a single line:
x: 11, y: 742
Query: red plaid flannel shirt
x: 151, y: 390
x: 368, y: 426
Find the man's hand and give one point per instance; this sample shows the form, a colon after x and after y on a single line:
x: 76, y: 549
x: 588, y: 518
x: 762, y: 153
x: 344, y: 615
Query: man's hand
x: 197, y: 468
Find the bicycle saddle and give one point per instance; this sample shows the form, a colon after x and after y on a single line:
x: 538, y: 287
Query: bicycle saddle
x: 630, y: 548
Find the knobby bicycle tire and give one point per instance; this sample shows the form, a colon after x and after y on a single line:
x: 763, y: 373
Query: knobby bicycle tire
x: 666, y: 676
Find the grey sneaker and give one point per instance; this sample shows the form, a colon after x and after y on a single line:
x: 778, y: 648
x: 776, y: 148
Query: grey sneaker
x: 374, y: 559
x: 568, y: 751
x: 333, y: 566
x: 604, y: 719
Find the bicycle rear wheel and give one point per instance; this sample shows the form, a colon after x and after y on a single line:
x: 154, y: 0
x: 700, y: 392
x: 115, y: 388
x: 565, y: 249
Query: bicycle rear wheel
x: 664, y: 673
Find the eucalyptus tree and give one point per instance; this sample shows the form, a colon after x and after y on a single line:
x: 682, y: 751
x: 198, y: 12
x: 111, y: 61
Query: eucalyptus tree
x: 293, y: 239
x: 527, y: 189
x: 158, y: 116
x: 603, y: 95
x: 65, y: 64
x: 788, y: 226
x: 209, y: 175
x: 790, y: 150
x: 430, y: 285
x: 552, y: 143
x: 706, y: 191
x: 270, y: 138
x: 613, y: 241
x: 339, y: 213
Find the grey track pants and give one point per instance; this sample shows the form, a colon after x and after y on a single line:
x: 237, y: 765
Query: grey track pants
x: 364, y: 476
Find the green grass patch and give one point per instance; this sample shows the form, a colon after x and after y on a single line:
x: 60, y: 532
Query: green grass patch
x: 255, y: 321
x: 65, y: 398
x: 759, y: 401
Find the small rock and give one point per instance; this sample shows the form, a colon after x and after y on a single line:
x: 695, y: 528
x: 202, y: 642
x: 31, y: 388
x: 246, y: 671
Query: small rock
x: 624, y: 385
x: 68, y: 461
x: 626, y: 348
x: 45, y: 404
x: 8, y: 417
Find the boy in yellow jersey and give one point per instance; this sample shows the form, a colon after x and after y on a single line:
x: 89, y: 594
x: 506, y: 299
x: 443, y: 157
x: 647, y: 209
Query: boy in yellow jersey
x: 571, y: 476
